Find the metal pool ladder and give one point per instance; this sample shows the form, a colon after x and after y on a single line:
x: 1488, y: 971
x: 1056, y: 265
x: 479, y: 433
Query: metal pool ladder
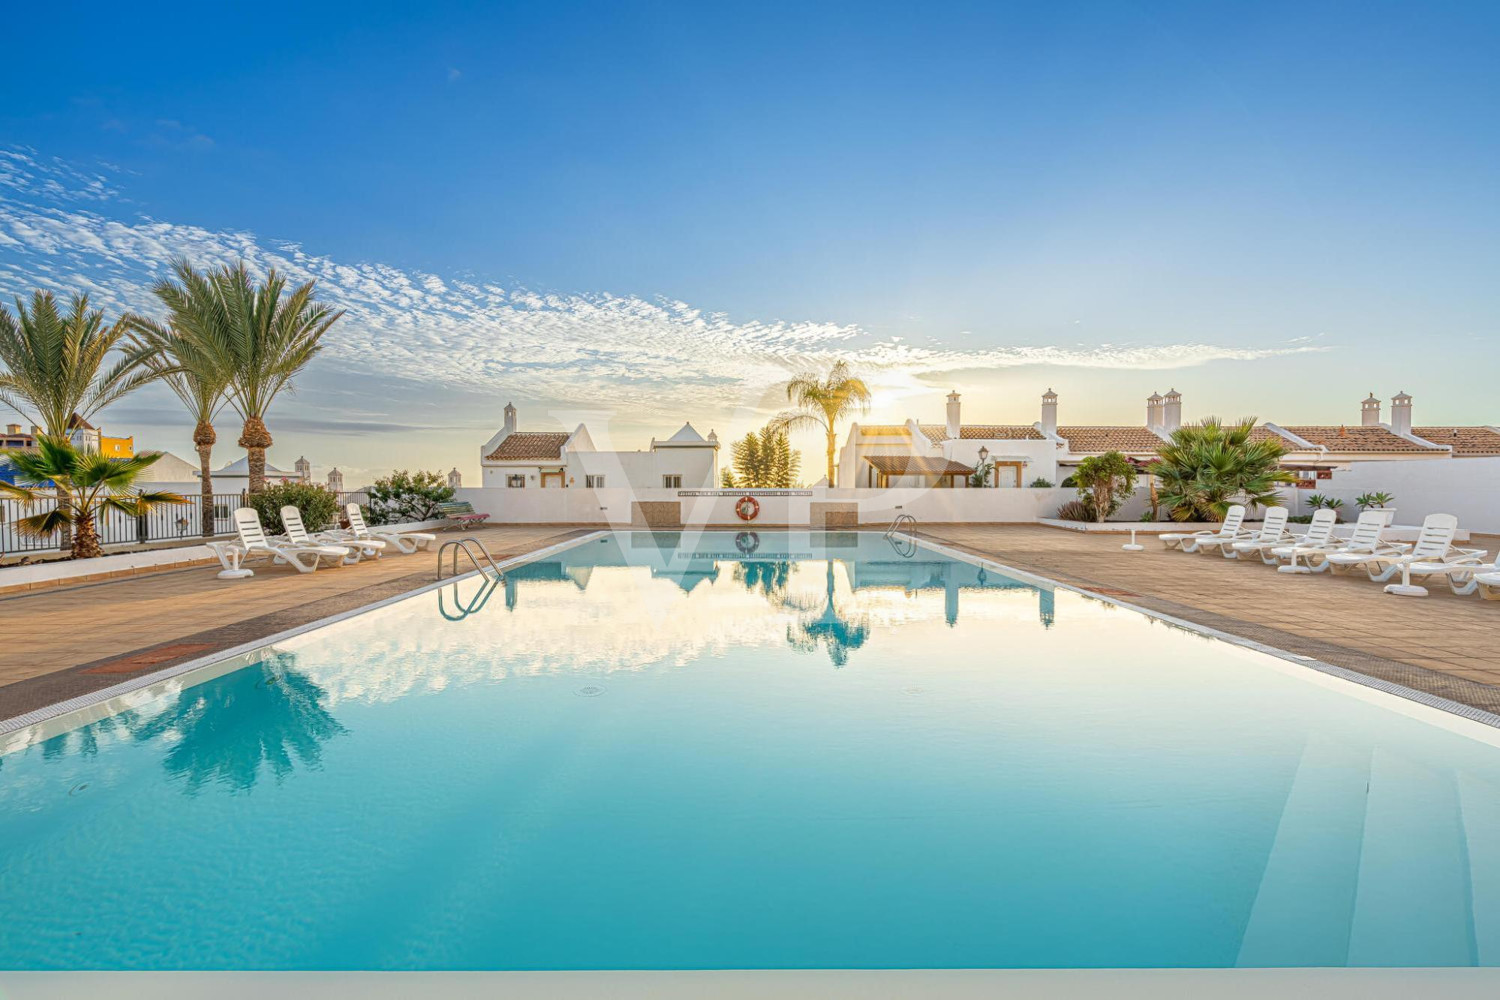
x: 477, y: 553
x: 902, y: 534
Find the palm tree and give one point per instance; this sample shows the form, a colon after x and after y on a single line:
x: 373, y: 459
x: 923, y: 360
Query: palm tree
x: 1208, y: 466
x: 86, y: 483
x: 198, y: 381
x: 55, y: 362
x: 822, y: 401
x: 838, y: 632
x: 258, y: 338
x: 55, y: 365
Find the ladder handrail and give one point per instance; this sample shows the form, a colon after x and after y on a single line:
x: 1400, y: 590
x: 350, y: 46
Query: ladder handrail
x: 490, y: 585
x: 468, y: 545
x: 903, y: 523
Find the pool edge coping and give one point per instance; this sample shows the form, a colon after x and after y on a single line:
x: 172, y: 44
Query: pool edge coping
x: 59, y: 710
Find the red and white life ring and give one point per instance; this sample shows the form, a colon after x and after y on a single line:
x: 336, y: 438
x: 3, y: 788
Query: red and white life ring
x: 747, y: 508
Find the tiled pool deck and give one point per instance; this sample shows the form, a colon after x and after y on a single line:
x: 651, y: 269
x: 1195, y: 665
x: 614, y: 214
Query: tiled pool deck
x: 66, y: 642
x: 1442, y: 644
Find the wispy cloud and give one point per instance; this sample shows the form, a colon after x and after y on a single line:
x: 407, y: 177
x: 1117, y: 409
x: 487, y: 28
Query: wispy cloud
x: 651, y: 354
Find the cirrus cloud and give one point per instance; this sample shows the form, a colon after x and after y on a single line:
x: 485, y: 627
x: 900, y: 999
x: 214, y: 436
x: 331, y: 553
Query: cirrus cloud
x: 66, y: 228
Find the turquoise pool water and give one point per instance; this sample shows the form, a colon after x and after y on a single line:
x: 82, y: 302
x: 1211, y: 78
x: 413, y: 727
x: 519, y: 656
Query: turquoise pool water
x: 659, y: 752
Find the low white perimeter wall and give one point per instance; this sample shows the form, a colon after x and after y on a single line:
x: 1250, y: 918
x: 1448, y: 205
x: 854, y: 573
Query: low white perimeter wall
x: 1468, y: 488
x: 612, y: 507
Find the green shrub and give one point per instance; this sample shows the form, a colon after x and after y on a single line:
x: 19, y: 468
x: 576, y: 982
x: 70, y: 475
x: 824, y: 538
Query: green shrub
x: 1041, y: 483
x: 318, y: 506
x: 407, y: 496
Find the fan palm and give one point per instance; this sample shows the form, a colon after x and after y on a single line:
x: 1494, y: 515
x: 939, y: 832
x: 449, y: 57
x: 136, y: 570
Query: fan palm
x: 1208, y: 466
x: 256, y: 337
x: 822, y: 401
x: 198, y: 381
x: 85, y: 483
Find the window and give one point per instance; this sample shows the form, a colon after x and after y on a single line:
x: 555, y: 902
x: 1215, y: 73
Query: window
x: 671, y: 482
x: 594, y: 482
x: 515, y: 482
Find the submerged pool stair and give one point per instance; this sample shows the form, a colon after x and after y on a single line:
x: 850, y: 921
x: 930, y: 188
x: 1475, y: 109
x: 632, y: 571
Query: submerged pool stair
x: 1379, y: 860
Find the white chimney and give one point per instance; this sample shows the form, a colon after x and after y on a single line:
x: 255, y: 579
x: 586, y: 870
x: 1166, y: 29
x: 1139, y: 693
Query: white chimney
x: 1049, y: 412
x: 1369, y: 412
x: 510, y: 417
x: 955, y: 428
x: 1401, y: 413
x: 455, y: 479
x: 1155, y: 417
x: 1172, y: 411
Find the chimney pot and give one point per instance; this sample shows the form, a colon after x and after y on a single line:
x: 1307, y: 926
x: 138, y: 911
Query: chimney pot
x: 1049, y: 412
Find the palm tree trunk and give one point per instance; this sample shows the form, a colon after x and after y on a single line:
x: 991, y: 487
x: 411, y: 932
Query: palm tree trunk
x: 206, y: 521
x: 204, y: 438
x: 86, y: 539
x: 832, y: 472
x: 255, y: 439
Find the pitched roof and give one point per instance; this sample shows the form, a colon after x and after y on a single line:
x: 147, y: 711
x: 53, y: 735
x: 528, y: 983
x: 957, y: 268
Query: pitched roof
x: 916, y: 465
x: 532, y: 445
x: 1358, y: 438
x: 938, y: 433
x: 1467, y: 441
x: 687, y: 436
x: 1097, y: 440
x: 884, y: 430
x: 241, y: 467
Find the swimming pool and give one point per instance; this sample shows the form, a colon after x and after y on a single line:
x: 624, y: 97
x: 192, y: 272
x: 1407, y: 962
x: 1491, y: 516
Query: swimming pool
x: 774, y: 750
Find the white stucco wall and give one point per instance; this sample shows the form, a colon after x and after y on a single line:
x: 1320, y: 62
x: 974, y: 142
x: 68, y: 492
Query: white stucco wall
x: 612, y: 506
x: 1468, y: 488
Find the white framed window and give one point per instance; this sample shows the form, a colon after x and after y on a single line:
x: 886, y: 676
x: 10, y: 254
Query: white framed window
x: 671, y: 482
x: 516, y: 482
x: 594, y: 482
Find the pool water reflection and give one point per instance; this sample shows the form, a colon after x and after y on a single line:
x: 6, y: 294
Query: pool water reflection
x: 753, y: 751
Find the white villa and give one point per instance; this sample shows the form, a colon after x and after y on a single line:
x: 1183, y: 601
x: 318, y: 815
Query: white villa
x: 520, y: 459
x: 916, y: 454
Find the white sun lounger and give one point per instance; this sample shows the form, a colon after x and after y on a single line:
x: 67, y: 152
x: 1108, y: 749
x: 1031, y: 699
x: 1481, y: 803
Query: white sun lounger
x: 1364, y: 540
x: 251, y: 540
x: 296, y: 531
x: 1317, y: 538
x: 1433, y: 546
x: 405, y: 542
x: 1229, y: 530
x: 1272, y: 533
x: 1456, y: 566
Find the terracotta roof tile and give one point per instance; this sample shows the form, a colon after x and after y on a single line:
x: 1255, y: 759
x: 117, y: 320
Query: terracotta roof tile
x: 884, y: 430
x: 532, y: 445
x: 1097, y: 440
x: 1467, y: 441
x: 1357, y: 438
x: 938, y: 433
x: 903, y: 465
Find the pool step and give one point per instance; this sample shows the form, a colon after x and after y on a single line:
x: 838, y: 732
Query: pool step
x: 1479, y: 802
x: 1412, y: 905
x: 1305, y: 903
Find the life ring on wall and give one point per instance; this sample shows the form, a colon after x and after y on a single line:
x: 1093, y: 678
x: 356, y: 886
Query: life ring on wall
x: 747, y: 508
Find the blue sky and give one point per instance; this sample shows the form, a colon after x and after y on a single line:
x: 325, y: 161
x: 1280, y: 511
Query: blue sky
x: 648, y: 213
